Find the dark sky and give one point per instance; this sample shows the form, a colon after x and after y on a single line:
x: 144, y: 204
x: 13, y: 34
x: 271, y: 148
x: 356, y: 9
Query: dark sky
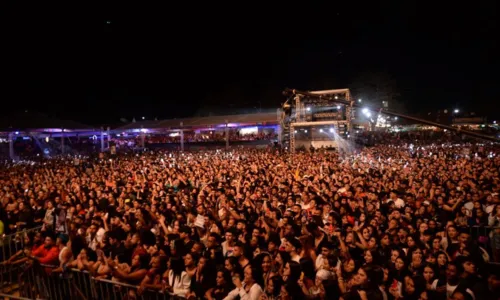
x: 170, y: 61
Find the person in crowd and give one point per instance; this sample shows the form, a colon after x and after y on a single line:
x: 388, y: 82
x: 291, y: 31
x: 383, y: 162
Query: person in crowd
x: 403, y: 219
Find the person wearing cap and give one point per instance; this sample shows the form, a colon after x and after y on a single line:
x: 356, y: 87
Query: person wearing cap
x: 64, y: 250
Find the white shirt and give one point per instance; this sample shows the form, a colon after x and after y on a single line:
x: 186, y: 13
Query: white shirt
x: 450, y: 289
x: 253, y: 294
x: 93, y: 242
x: 320, y: 260
x: 181, y: 285
x: 398, y: 202
x: 226, y: 249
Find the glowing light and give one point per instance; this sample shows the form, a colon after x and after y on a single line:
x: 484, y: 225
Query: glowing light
x: 338, y: 107
x: 305, y: 131
x: 295, y: 131
x: 320, y: 130
x: 336, y: 97
x: 331, y: 130
x: 17, y: 132
x: 308, y: 109
x: 249, y: 130
x: 456, y: 110
x: 365, y: 110
x: 359, y: 100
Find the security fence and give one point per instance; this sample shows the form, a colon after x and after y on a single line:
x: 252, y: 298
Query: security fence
x: 14, y: 242
x: 40, y: 282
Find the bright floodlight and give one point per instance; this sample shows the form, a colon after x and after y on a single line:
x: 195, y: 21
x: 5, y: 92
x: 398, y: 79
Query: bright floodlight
x: 331, y: 129
x: 143, y: 118
x: 338, y: 106
x: 320, y: 130
x: 368, y: 114
x: 494, y: 122
x: 365, y: 110
x: 396, y: 118
x: 359, y: 100
x: 308, y: 109
x: 305, y: 131
x: 456, y: 110
x: 336, y: 97
x: 295, y: 131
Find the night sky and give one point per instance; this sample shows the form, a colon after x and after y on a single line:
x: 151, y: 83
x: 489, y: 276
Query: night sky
x: 97, y: 64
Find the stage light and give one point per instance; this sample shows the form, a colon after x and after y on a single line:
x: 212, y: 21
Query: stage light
x: 336, y: 97
x: 365, y: 110
x: 456, y: 110
x: 359, y: 100
x: 308, y: 109
x: 331, y: 130
x: 338, y: 107
x: 320, y: 130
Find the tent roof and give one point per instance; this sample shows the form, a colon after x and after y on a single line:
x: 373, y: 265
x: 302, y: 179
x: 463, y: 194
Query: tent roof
x: 196, y: 122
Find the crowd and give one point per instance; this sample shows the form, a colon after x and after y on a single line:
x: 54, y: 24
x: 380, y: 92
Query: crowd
x: 385, y: 222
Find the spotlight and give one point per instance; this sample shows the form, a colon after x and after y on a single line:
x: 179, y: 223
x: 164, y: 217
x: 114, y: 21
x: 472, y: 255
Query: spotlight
x: 338, y: 107
x: 331, y: 130
x: 308, y: 109
x: 321, y: 130
x: 456, y: 110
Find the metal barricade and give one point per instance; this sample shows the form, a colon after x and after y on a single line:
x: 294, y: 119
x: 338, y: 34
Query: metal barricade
x: 112, y: 290
x: 82, y: 284
x: 7, y: 296
x: 38, y: 282
x: 487, y: 237
x: 12, y: 243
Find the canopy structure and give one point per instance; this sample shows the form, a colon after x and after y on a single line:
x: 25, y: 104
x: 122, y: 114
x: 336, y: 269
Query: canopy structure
x: 204, y: 122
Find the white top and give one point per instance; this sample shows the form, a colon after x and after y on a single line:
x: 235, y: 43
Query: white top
x: 181, y: 285
x: 253, y: 294
x: 450, y: 289
x: 320, y: 260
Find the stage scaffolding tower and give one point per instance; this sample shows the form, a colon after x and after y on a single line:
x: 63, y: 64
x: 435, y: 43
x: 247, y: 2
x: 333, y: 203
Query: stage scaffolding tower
x: 314, y: 109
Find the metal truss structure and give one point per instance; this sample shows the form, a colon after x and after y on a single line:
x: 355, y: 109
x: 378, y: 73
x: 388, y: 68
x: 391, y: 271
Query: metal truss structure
x: 294, y: 112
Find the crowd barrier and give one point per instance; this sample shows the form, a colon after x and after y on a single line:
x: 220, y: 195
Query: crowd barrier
x: 39, y: 282
x: 14, y: 242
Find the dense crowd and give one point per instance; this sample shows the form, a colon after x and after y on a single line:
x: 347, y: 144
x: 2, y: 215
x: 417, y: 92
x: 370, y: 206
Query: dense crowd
x: 385, y: 222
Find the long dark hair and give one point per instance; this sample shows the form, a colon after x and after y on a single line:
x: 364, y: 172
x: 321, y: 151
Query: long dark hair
x: 177, y: 267
x: 294, y: 271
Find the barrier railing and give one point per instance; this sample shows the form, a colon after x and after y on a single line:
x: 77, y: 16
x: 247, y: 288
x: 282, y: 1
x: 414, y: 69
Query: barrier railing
x: 39, y: 282
x: 7, y: 296
x: 10, y: 245
x: 14, y: 242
